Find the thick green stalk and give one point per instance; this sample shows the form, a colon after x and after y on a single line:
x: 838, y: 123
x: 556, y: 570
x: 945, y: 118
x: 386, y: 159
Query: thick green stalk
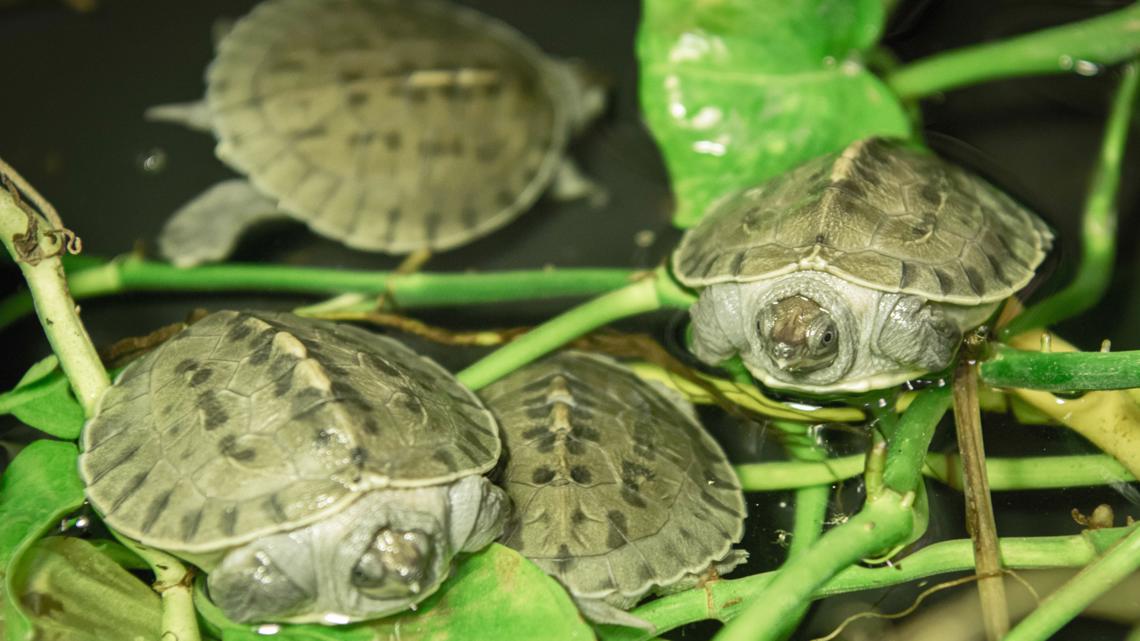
x: 173, y: 582
x: 885, y: 520
x: 404, y: 290
x: 1098, y: 225
x: 1079, y: 46
x: 35, y: 244
x: 1072, y: 598
x: 1062, y: 371
x: 1032, y: 473
x: 724, y: 600
x: 645, y: 295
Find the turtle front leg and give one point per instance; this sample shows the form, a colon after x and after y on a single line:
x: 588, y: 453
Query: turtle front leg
x: 571, y: 184
x: 916, y: 333
x: 207, y: 228
x: 478, y: 512
x: 718, y: 325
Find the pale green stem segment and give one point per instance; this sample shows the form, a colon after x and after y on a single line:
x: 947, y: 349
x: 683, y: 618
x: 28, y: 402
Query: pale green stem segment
x: 1061, y: 371
x: 423, y: 289
x: 648, y: 294
x: 1098, y: 224
x: 1080, y: 47
x: 1072, y: 598
x: 885, y: 520
x: 173, y: 582
x: 1032, y: 473
x: 35, y: 244
x: 724, y: 600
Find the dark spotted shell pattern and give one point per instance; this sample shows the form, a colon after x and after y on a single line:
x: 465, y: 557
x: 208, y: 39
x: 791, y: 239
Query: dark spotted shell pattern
x: 390, y: 125
x: 616, y: 488
x: 878, y: 214
x: 248, y: 423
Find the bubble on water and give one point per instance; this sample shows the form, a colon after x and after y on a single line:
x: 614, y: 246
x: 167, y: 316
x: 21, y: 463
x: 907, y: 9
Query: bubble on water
x: 152, y: 161
x: 644, y: 238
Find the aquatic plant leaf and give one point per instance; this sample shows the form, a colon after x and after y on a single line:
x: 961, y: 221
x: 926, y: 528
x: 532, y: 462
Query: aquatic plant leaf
x: 43, y: 400
x: 738, y: 91
x: 495, y: 594
x: 39, y: 487
x: 70, y: 591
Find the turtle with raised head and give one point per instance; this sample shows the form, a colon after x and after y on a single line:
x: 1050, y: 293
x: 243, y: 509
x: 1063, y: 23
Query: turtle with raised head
x: 858, y: 270
x: 617, y: 490
x: 388, y: 125
x: 317, y: 472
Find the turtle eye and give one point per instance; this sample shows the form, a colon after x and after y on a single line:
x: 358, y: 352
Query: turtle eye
x: 826, y: 338
x: 396, y: 564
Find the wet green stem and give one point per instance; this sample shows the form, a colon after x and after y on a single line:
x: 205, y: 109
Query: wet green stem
x: 173, y: 582
x: 724, y: 600
x: 35, y: 244
x: 1079, y: 47
x: 1072, y: 598
x: 1062, y: 371
x: 1098, y: 224
x: 403, y: 290
x: 648, y: 294
x: 1031, y: 473
x: 886, y: 519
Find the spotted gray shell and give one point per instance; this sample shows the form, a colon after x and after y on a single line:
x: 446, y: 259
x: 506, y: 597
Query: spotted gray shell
x: 387, y: 124
x: 616, y: 488
x: 248, y: 423
x: 878, y: 214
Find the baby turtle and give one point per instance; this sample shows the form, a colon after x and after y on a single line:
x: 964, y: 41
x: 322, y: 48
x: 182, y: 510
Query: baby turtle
x: 317, y: 472
x: 388, y: 125
x: 617, y: 489
x: 857, y: 270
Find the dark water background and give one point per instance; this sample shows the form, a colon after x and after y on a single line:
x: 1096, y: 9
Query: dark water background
x: 75, y: 87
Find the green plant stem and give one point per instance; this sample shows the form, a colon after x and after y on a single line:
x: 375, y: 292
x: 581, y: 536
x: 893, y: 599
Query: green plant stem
x: 1072, y: 598
x: 403, y: 290
x: 1104, y: 40
x: 724, y: 600
x: 885, y: 520
x: 38, y: 259
x: 1098, y: 224
x: 1061, y: 371
x: 645, y: 295
x: 1032, y: 473
x: 173, y: 582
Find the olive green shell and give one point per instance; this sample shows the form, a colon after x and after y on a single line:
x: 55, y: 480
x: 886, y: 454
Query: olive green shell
x: 616, y: 488
x: 248, y: 423
x: 878, y: 214
x: 387, y: 124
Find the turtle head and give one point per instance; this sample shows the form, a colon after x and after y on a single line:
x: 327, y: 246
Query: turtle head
x: 800, y: 336
x: 397, y: 563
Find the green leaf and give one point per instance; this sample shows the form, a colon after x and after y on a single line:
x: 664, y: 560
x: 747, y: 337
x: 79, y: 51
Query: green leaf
x: 43, y: 400
x: 495, y: 594
x: 39, y: 487
x: 738, y: 91
x: 72, y: 592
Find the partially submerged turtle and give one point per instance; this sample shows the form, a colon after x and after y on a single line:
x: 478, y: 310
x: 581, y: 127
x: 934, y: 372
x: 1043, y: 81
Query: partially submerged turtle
x: 388, y: 125
x: 317, y: 472
x: 617, y: 489
x: 857, y: 270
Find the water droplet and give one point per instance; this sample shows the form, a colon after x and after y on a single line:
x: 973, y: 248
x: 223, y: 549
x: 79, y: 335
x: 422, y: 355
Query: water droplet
x: 708, y: 147
x: 152, y: 161
x: 1066, y: 62
x: 707, y: 117
x: 644, y: 238
x: 267, y: 629
x: 335, y: 618
x: 829, y: 61
x: 1087, y: 68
